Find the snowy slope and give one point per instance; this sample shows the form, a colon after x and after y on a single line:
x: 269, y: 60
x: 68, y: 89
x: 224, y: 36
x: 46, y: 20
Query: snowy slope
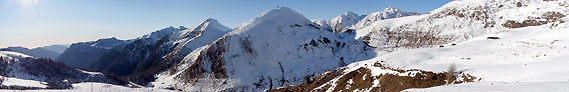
x: 556, y: 86
x: 278, y: 47
x: 515, y: 54
x: 508, y: 43
x: 95, y: 87
x: 13, y: 55
x: 525, y: 55
x: 530, y: 59
x: 200, y: 35
x: 22, y: 82
x: 156, y: 52
x: 350, y: 19
x: 148, y: 48
x: 19, y: 71
x: 459, y: 21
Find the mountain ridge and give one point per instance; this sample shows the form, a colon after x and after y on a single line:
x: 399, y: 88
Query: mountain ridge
x: 255, y: 56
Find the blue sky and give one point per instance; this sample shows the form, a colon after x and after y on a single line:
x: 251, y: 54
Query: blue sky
x: 33, y: 23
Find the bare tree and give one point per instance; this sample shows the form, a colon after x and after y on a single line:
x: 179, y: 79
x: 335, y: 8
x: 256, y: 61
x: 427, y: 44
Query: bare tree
x: 450, y: 76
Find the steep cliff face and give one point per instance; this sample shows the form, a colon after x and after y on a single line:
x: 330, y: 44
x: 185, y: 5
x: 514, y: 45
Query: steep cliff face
x: 279, y: 47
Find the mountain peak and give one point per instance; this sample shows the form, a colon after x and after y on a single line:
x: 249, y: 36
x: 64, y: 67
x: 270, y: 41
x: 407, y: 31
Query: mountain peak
x: 350, y: 13
x: 182, y: 28
x: 279, y: 11
x: 387, y: 13
x: 108, y: 39
x: 390, y: 9
x: 107, y: 43
x: 281, y: 14
x: 211, y: 23
x: 211, y: 20
x: 18, y: 47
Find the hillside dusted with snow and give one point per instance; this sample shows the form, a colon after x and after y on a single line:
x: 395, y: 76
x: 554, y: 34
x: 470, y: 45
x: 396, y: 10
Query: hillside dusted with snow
x: 350, y: 19
x: 279, y: 47
x: 465, y: 45
x: 20, y: 71
x: 512, y: 44
x: 140, y: 53
x: 459, y: 21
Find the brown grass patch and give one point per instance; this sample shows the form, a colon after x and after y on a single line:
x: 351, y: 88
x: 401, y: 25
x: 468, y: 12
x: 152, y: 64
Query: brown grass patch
x: 310, y: 86
x: 354, y: 80
x: 550, y: 17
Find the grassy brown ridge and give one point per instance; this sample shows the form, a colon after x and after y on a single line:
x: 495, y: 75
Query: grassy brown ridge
x: 362, y: 79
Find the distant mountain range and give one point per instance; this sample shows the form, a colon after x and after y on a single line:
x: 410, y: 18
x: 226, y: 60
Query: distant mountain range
x: 51, y: 52
x: 83, y: 54
x: 349, y: 19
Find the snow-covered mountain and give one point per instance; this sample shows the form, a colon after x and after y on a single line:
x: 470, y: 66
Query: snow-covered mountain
x: 341, y: 22
x: 21, y: 71
x: 459, y: 21
x: 156, y: 52
x: 349, y: 19
x: 279, y: 47
x: 140, y: 57
x: 512, y: 43
x: 148, y: 48
x: 387, y: 13
x: 83, y: 54
x: 35, y: 52
x: 465, y: 43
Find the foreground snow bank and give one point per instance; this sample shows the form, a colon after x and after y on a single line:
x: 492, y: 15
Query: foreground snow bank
x: 98, y: 87
x: 500, y: 87
x: 22, y: 82
x: 532, y: 54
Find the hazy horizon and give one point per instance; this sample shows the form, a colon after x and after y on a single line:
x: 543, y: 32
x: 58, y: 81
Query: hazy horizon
x: 36, y: 23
